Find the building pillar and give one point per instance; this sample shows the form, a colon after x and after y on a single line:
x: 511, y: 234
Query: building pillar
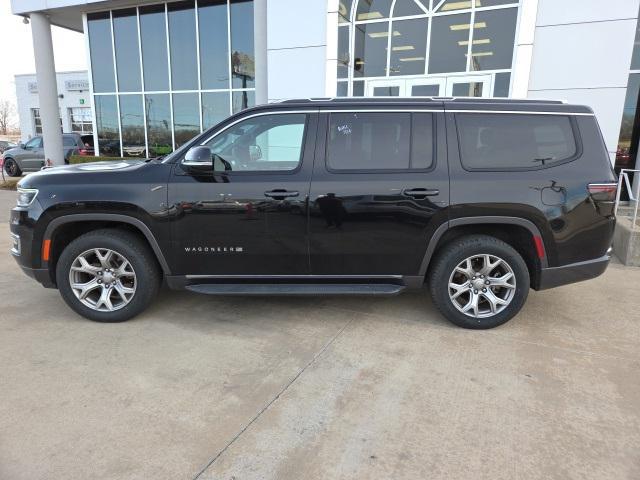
x: 47, y: 88
x: 260, y: 50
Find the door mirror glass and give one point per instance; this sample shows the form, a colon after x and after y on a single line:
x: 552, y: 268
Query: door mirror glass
x: 198, y: 155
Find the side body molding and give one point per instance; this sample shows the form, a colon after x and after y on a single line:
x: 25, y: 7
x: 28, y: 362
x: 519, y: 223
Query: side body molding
x: 441, y: 230
x: 112, y: 217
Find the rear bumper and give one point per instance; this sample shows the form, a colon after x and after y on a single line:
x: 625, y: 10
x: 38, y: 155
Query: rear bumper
x: 575, y: 272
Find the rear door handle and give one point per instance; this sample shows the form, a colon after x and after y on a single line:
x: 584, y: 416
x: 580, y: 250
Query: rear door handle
x: 420, y: 192
x: 281, y: 194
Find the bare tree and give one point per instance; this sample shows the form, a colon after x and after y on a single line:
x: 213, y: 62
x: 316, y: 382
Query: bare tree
x: 6, y: 114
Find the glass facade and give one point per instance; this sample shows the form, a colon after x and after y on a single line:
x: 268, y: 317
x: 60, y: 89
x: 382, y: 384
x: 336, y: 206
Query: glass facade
x: 385, y: 45
x: 177, y: 69
x: 627, y: 151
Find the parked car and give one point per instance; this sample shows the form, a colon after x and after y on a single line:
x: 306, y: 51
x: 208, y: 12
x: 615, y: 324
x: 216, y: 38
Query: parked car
x: 87, y: 148
x: 29, y: 156
x: 479, y: 199
x: 6, y: 145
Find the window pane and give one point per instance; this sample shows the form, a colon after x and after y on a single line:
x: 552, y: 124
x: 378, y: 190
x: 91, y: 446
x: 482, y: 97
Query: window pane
x: 215, y: 108
x: 493, y: 38
x: 99, y: 26
x: 372, y: 9
x: 371, y: 49
x: 504, y: 141
x: 386, y: 91
x: 266, y: 143
x: 107, y: 125
x: 358, y: 88
x: 132, y: 124
x: 242, y: 57
x: 125, y: 37
x: 501, y: 85
x: 182, y: 44
x: 186, y: 119
x: 153, y: 34
x: 425, y: 90
x: 623, y: 155
x: 493, y: 3
x: 406, y: 8
x: 451, y: 5
x: 342, y: 89
x: 214, y: 49
x: 69, y: 142
x: 344, y: 10
x: 343, y: 52
x: 242, y: 100
x: 422, y: 141
x: 408, y: 50
x: 158, y: 112
x: 368, y: 141
x: 467, y: 89
x: 635, y: 59
x: 449, y: 42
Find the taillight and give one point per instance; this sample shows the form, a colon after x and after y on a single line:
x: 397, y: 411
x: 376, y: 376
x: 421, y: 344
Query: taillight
x: 82, y: 151
x: 603, y: 192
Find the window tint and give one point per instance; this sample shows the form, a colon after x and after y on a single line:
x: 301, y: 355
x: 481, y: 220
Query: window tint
x: 35, y: 142
x: 69, y: 142
x: 380, y: 141
x: 505, y: 141
x: 264, y: 143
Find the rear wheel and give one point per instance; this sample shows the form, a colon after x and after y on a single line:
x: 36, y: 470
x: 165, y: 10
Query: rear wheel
x: 108, y: 275
x: 11, y: 167
x: 479, y: 282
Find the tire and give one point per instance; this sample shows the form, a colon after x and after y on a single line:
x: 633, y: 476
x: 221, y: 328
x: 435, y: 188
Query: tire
x: 466, y: 264
x: 127, y: 290
x: 11, y: 167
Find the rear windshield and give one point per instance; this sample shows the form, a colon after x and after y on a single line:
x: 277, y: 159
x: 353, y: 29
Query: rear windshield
x: 514, y: 141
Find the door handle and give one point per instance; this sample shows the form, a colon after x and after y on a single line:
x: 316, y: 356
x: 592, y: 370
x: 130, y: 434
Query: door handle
x: 420, y: 192
x: 281, y: 194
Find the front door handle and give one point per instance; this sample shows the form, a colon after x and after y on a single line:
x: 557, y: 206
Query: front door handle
x: 420, y: 192
x: 281, y: 194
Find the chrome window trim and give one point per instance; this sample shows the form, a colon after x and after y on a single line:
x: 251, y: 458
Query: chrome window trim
x: 524, y: 112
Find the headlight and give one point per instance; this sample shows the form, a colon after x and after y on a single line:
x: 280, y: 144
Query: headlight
x: 26, y: 196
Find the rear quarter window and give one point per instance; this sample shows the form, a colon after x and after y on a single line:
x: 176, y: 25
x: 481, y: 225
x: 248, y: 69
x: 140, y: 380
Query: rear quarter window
x: 69, y: 142
x: 515, y: 141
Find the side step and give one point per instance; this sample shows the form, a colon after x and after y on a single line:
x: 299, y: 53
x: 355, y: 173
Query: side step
x: 296, y: 289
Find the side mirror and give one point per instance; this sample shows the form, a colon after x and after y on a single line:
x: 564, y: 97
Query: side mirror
x: 199, y: 158
x: 21, y: 145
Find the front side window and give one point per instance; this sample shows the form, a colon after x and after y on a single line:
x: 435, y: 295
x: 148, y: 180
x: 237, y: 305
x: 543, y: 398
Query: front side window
x: 514, y: 141
x: 380, y: 141
x: 35, y: 142
x: 262, y: 143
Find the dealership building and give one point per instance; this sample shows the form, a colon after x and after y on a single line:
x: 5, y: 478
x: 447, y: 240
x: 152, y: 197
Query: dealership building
x: 161, y: 72
x: 74, y: 103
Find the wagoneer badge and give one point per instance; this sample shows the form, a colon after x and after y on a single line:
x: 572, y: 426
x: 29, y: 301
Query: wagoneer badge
x: 213, y: 249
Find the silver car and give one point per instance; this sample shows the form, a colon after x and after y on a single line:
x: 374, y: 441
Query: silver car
x: 29, y: 157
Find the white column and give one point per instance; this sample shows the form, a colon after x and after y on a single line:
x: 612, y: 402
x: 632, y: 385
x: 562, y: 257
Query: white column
x: 47, y: 88
x: 260, y: 50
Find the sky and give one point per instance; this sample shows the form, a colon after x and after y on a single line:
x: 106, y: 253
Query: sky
x: 16, y: 53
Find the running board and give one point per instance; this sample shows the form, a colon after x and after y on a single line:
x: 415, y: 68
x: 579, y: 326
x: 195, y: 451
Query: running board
x: 296, y: 289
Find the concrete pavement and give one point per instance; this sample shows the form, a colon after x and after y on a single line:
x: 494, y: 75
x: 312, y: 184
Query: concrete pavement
x: 320, y: 388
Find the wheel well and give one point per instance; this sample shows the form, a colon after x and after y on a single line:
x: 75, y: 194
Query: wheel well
x: 68, y: 232
x: 520, y: 238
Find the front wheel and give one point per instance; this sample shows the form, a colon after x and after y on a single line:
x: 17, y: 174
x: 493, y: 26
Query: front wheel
x: 108, y: 275
x: 12, y: 168
x: 479, y: 282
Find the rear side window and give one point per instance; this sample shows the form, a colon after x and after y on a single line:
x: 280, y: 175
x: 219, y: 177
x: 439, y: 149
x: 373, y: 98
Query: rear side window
x: 380, y: 141
x: 514, y: 141
x: 69, y: 142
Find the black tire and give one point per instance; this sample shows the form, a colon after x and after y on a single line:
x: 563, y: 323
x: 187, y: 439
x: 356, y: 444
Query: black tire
x: 11, y: 167
x: 137, y: 253
x: 456, y: 253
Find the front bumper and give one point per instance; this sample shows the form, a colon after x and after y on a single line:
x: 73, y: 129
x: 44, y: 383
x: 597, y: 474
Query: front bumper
x: 572, y: 273
x: 39, y: 274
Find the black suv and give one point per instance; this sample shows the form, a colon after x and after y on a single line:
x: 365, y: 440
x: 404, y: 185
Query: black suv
x: 479, y: 199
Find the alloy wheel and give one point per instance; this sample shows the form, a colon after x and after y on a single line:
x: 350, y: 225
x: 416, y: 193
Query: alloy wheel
x: 482, y: 286
x: 102, y: 279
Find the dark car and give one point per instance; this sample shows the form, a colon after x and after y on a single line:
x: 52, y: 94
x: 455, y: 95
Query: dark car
x: 29, y: 156
x: 481, y: 200
x: 6, y: 145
